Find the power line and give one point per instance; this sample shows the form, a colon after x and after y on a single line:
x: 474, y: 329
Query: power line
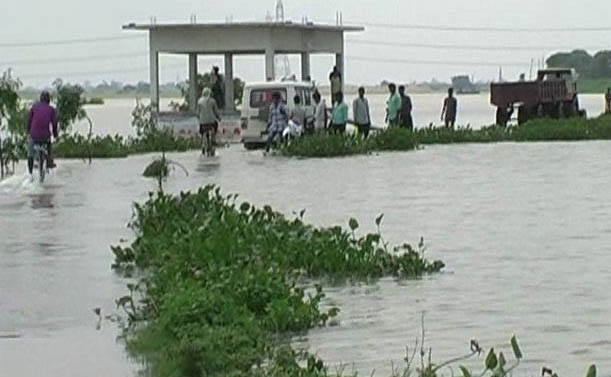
x: 483, y: 28
x: 68, y: 41
x: 438, y: 62
x: 462, y: 47
x: 44, y: 61
x: 89, y: 73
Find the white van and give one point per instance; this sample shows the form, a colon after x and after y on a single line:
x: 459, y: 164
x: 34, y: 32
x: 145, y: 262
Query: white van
x: 257, y: 100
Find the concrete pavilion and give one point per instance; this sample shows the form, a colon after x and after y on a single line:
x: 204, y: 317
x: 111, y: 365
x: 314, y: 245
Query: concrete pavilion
x: 229, y: 39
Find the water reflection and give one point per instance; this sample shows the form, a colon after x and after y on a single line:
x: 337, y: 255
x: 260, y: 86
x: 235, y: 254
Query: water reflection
x: 42, y: 201
x: 208, y: 164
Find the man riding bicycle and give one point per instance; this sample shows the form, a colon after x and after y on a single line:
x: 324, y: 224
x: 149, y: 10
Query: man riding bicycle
x: 208, y: 114
x: 40, y: 119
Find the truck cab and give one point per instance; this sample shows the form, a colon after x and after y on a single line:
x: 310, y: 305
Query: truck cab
x: 256, y: 103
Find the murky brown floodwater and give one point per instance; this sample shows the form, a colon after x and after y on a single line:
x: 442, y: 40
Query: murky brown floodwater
x: 525, y: 230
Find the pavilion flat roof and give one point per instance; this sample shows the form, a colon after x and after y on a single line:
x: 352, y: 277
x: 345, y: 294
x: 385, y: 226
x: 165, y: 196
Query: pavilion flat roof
x: 243, y: 25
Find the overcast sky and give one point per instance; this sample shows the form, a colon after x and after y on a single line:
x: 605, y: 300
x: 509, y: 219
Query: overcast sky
x: 127, y: 60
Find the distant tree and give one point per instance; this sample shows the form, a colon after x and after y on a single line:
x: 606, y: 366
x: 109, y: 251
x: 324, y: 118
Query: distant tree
x: 70, y: 101
x: 601, y: 65
x: 586, y: 65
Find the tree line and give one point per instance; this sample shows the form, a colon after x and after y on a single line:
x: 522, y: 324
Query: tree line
x: 597, y: 66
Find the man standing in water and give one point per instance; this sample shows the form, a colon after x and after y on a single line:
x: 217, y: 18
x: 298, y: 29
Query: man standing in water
x: 339, y: 115
x: 320, y: 113
x: 335, y: 79
x: 450, y: 107
x: 360, y: 112
x: 406, y: 110
x: 393, y: 107
x: 40, y: 119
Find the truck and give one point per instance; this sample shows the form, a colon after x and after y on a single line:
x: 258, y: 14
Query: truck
x: 553, y: 94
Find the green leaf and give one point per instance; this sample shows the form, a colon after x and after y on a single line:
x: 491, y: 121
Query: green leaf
x: 516, y: 348
x: 353, y: 224
x: 465, y: 372
x: 591, y: 371
x: 245, y: 207
x: 379, y: 219
x: 502, y: 360
x: 491, y: 360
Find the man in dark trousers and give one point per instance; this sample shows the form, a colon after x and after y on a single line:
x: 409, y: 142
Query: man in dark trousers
x: 42, y: 119
x: 406, y: 120
x: 217, y: 87
x: 450, y: 107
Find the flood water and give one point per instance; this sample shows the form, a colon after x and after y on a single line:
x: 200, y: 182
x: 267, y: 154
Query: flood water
x: 114, y: 116
x: 525, y: 231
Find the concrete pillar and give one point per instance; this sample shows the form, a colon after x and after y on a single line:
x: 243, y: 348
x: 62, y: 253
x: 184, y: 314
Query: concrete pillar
x: 193, y: 95
x: 154, y: 71
x: 305, y: 66
x: 229, y: 95
x: 339, y: 63
x: 270, y: 70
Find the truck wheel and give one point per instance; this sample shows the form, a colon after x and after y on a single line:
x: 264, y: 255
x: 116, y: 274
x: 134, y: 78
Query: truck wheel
x: 569, y: 109
x: 501, y: 117
x: 560, y: 111
x: 523, y: 115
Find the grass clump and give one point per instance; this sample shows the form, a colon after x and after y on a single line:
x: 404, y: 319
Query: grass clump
x: 220, y: 283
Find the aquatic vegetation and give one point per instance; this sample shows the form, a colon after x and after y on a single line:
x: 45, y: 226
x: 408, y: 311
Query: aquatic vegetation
x: 79, y: 146
x: 223, y: 281
x: 325, y: 145
x: 334, y: 145
x: 396, y: 139
x: 445, y: 135
x: 160, y: 169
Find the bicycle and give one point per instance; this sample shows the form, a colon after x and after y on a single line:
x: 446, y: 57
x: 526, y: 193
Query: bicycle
x: 208, y: 148
x: 40, y: 156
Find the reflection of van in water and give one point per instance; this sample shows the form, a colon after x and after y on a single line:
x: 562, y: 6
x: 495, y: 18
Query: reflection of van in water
x: 257, y: 100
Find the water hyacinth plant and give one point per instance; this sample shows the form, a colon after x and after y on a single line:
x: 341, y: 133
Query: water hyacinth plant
x: 396, y: 139
x: 222, y: 280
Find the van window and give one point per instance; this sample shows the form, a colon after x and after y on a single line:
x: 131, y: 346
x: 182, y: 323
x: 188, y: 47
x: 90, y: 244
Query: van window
x: 305, y: 95
x: 263, y: 97
x: 308, y: 97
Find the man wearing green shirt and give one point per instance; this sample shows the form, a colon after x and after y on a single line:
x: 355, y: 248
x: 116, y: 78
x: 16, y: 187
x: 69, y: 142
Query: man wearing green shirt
x: 393, y: 106
x: 339, y: 115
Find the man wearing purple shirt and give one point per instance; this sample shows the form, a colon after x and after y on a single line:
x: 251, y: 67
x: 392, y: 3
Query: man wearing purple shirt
x: 41, y: 118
